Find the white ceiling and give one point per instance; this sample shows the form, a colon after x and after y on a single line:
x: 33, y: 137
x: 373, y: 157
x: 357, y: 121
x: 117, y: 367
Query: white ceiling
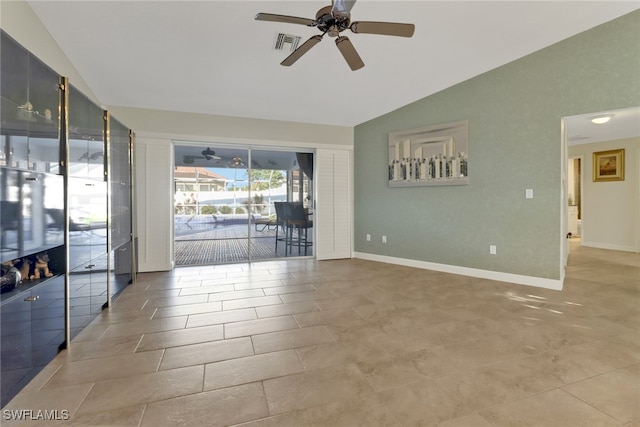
x: 213, y: 57
x: 624, y: 123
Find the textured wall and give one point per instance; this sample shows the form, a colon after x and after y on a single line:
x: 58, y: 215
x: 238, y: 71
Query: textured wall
x: 514, y: 114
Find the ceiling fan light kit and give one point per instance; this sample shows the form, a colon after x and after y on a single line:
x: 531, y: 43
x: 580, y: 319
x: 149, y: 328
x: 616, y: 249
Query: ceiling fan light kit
x: 332, y: 21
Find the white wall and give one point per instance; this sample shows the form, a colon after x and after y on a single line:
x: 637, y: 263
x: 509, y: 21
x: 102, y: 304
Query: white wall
x: 611, y: 210
x: 157, y: 130
x: 212, y: 128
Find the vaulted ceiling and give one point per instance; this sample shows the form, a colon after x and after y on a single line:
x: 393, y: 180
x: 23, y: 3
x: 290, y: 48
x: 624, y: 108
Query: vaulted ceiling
x: 214, y: 57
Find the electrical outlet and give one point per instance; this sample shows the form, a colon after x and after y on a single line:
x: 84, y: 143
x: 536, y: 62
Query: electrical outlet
x: 368, y: 237
x: 492, y: 249
x: 384, y: 239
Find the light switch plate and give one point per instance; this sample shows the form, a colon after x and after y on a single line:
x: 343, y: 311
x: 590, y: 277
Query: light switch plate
x: 528, y: 193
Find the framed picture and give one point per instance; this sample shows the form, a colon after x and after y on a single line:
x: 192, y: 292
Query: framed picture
x: 608, y: 165
x: 429, y: 156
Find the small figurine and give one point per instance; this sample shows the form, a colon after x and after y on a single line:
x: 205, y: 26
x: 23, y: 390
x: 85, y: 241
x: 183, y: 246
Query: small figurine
x: 26, y: 106
x: 26, y: 112
x: 25, y: 265
x: 41, y: 266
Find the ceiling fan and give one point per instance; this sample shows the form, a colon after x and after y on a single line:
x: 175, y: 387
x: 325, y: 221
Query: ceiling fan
x: 207, y: 154
x: 333, y: 20
x: 236, y: 162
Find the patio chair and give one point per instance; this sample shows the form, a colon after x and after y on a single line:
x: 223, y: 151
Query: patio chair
x: 298, y: 220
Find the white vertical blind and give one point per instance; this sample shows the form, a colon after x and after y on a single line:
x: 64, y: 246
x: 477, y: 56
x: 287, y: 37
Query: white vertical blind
x: 154, y: 190
x: 333, y: 213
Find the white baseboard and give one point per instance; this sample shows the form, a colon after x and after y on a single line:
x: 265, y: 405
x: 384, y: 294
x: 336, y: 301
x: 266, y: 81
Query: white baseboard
x: 609, y: 246
x: 539, y: 282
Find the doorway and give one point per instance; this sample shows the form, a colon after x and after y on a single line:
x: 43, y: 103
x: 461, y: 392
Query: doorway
x: 574, y: 197
x: 224, y: 203
x: 608, y: 210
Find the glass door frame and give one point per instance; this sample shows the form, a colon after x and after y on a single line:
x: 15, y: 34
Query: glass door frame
x: 250, y: 150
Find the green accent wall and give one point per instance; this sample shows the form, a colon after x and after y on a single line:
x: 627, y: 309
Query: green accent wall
x: 514, y: 114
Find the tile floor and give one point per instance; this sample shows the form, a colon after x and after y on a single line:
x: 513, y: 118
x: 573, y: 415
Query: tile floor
x: 354, y: 343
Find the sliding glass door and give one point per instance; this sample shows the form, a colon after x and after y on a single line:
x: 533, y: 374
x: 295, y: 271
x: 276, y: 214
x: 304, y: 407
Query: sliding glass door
x: 225, y: 201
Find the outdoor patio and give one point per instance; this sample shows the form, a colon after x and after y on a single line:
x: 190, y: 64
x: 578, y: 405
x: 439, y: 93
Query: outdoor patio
x: 199, y: 240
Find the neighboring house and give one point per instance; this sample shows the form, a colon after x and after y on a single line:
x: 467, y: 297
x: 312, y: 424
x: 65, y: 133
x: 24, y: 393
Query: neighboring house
x: 194, y: 184
x: 195, y: 180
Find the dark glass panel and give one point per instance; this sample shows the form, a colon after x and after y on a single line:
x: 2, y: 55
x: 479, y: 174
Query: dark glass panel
x: 87, y: 192
x: 29, y: 110
x: 28, y: 203
x: 14, y: 78
x: 120, y: 184
x: 43, y: 130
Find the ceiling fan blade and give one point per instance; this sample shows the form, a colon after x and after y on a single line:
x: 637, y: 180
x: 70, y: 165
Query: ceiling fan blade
x: 304, y: 48
x: 286, y: 19
x: 349, y: 53
x: 383, y: 28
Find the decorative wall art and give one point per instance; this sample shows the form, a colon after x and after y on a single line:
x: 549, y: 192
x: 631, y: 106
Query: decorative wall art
x: 434, y: 155
x: 608, y: 165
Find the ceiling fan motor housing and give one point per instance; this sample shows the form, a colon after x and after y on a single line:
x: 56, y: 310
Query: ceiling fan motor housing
x: 331, y: 24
